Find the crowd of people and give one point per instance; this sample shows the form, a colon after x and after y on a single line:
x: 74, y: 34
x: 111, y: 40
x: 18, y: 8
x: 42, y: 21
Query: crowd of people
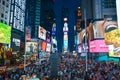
x: 69, y: 68
x: 75, y: 69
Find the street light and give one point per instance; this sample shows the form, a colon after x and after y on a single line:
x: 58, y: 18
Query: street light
x: 85, y: 39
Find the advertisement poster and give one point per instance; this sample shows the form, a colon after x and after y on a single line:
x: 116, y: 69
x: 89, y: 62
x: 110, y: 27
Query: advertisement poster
x: 65, y: 45
x: 31, y: 47
x: 112, y: 39
x: 15, y: 42
x: 43, y: 45
x: 48, y: 36
x: 79, y: 48
x: 48, y: 47
x: 42, y: 33
x: 5, y: 33
x: 98, y: 46
x: 28, y: 33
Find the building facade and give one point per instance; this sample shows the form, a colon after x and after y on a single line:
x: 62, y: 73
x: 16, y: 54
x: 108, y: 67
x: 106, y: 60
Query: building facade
x: 39, y: 13
x: 16, y: 21
x: 5, y: 11
x: 17, y: 14
x: 105, y: 9
x: 98, y: 9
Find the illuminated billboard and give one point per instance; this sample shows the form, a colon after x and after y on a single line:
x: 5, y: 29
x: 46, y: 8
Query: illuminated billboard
x: 15, y: 42
x: 65, y: 45
x: 31, y: 47
x: 48, y: 47
x: 5, y: 33
x: 102, y: 26
x: 112, y: 39
x: 43, y: 45
x: 42, y: 33
x: 98, y: 46
x: 28, y: 33
x: 79, y: 48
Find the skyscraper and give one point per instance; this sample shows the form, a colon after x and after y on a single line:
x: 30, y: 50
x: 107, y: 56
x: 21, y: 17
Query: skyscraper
x: 33, y: 15
x: 98, y: 9
x: 39, y: 13
x: 17, y: 14
x: 16, y: 21
x: 5, y: 11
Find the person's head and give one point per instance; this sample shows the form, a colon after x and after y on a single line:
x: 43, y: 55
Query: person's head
x: 34, y: 75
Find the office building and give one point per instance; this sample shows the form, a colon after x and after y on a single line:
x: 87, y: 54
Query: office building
x: 5, y: 11
x: 98, y: 9
x: 16, y: 21
x: 17, y: 14
x: 40, y: 12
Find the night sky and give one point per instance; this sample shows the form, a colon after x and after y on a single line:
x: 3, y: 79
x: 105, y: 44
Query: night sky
x: 72, y: 5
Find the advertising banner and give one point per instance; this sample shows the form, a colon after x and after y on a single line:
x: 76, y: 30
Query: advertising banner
x: 15, y: 42
x: 5, y: 33
x: 98, y: 46
x: 31, y: 47
x: 79, y: 48
x: 112, y: 39
x: 65, y: 44
x: 102, y: 26
x: 48, y: 36
x: 48, y: 47
x: 42, y: 33
x: 28, y: 33
x: 43, y: 45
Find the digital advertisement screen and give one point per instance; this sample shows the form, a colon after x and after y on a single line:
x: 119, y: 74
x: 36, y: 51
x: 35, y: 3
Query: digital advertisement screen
x: 5, y: 33
x: 28, y: 33
x: 79, y: 48
x: 65, y: 37
x: 48, y: 47
x: 65, y: 43
x: 81, y: 36
x: 102, y: 26
x: 15, y: 42
x: 98, y: 46
x: 43, y: 45
x: 31, y: 47
x: 42, y: 33
x: 48, y: 36
x: 112, y: 39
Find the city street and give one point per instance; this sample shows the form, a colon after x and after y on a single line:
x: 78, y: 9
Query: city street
x: 59, y: 39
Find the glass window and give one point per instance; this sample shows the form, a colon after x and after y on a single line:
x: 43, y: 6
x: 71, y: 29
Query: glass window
x: 5, y: 22
x: 3, y: 2
x: 6, y: 5
x: 109, y: 3
x: 2, y: 15
x: 2, y: 21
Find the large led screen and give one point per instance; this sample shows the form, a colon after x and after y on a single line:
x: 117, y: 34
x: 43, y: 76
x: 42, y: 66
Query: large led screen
x: 112, y: 39
x: 5, y: 33
x: 98, y: 46
x: 31, y: 47
x: 102, y: 26
x: 43, y: 45
x: 15, y: 41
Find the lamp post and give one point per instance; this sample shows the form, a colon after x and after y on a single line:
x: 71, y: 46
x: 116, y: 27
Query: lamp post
x: 86, y: 39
